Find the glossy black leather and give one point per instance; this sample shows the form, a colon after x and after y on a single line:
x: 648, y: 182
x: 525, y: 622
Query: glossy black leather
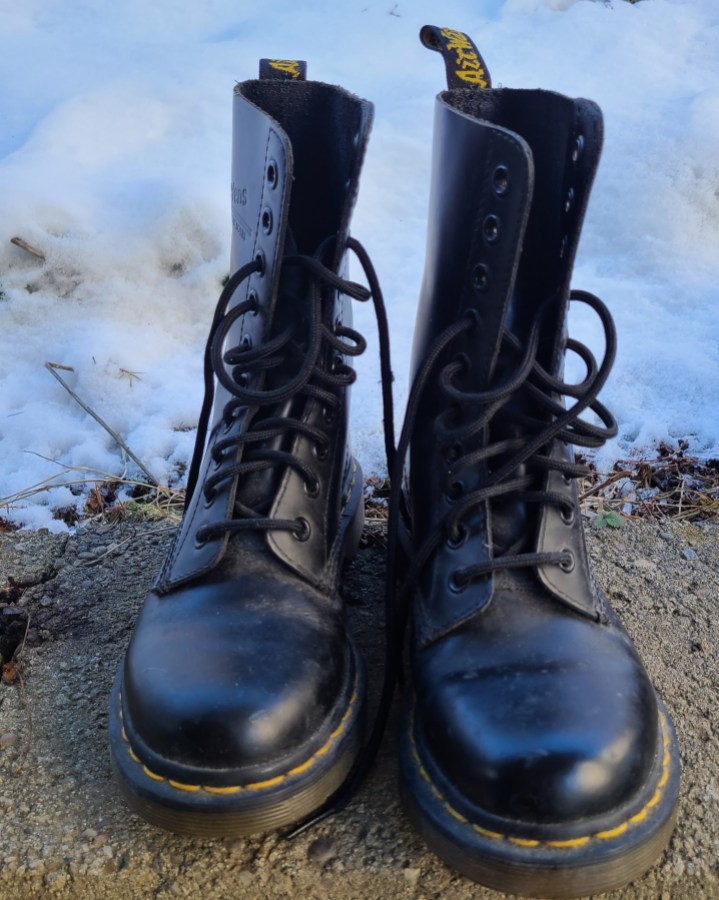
x: 529, y: 696
x: 240, y: 665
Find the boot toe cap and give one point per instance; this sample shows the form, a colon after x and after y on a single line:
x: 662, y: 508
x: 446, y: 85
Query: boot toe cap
x: 550, y: 741
x: 238, y: 689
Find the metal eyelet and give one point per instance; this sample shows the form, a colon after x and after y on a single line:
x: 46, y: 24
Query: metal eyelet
x: 490, y: 229
x: 200, y: 541
x: 500, y: 180
x: 480, y: 277
x: 455, y: 542
x: 266, y: 220
x: 272, y: 174
x: 454, y: 491
x: 578, y: 147
x: 456, y: 584
x: 568, y: 562
x: 260, y: 259
x: 312, y: 489
x: 329, y: 415
x: 567, y: 514
x: 254, y: 302
x: 567, y: 479
x: 305, y: 531
x: 569, y: 202
x: 321, y: 451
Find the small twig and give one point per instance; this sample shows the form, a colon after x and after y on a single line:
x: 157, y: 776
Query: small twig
x: 23, y: 694
x: 28, y: 248
x: 625, y: 473
x: 113, y: 434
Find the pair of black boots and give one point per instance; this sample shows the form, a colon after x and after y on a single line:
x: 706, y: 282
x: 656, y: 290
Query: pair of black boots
x: 536, y: 756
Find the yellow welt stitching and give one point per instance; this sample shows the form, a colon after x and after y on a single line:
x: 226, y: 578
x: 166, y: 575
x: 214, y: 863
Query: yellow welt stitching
x: 566, y: 844
x: 259, y: 785
x: 612, y: 833
x: 495, y: 836
x: 572, y: 842
x: 190, y: 788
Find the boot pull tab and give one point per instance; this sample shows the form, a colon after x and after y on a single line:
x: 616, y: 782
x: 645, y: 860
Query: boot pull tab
x: 283, y: 69
x: 464, y: 63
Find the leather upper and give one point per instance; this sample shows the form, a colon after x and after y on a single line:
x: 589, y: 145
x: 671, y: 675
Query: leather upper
x: 530, y: 699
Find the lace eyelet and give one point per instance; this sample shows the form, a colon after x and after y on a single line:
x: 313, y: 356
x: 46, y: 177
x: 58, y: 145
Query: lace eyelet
x: 272, y: 174
x: 266, y: 220
x: 490, y: 229
x: 210, y: 498
x: 455, y: 542
x: 321, y: 451
x: 480, y: 277
x: 254, y: 300
x: 568, y: 562
x: 312, y: 489
x: 457, y: 584
x: 567, y: 514
x: 566, y: 479
x: 201, y: 538
x: 569, y: 202
x: 577, y: 148
x: 304, y: 531
x: 246, y: 342
x: 500, y: 180
x: 260, y: 260
x: 454, y: 491
x: 329, y: 415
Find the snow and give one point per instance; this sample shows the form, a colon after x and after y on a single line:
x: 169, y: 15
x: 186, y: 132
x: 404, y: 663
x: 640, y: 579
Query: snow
x: 114, y: 161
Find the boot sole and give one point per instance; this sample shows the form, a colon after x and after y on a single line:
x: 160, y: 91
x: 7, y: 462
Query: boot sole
x: 185, y: 807
x: 601, y: 857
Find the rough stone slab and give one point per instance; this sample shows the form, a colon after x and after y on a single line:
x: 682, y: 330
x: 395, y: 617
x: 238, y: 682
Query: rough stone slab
x: 64, y: 832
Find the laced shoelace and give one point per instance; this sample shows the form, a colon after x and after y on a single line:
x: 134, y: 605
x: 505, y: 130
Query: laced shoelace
x: 558, y: 423
x: 564, y: 424
x: 235, y: 367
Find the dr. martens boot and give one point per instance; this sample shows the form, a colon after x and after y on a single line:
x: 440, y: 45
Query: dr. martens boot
x: 239, y: 704
x: 536, y: 756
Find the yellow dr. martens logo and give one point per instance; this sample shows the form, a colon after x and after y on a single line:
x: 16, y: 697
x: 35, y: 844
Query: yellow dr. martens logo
x: 468, y: 66
x: 289, y: 67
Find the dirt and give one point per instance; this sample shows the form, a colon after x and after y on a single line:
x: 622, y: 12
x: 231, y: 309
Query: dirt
x: 64, y: 832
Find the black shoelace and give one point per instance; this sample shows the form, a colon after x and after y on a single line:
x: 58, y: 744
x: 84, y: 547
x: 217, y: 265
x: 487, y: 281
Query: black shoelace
x: 558, y: 423
x: 236, y: 366
x: 538, y: 434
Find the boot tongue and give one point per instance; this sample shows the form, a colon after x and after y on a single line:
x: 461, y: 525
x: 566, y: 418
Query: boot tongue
x: 257, y: 489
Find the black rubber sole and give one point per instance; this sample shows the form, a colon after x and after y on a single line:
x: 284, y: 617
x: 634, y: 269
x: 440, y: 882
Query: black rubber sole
x: 187, y: 807
x: 241, y: 809
x: 594, y: 859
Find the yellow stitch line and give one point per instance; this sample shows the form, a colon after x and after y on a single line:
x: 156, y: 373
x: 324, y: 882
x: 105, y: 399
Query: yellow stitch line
x: 221, y: 790
x: 189, y: 788
x: 124, y: 735
x: 567, y: 844
x: 259, y: 785
x: 488, y: 834
x: 455, y: 815
x: 612, y: 833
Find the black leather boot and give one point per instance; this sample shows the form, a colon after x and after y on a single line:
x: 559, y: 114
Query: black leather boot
x: 239, y: 704
x: 536, y: 756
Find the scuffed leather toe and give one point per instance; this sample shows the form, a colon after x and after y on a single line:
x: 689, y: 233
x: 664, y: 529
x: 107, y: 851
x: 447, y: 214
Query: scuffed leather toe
x: 242, y: 677
x: 538, y: 719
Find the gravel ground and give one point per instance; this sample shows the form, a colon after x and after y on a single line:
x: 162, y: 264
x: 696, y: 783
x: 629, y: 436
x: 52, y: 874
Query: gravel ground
x: 64, y: 832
